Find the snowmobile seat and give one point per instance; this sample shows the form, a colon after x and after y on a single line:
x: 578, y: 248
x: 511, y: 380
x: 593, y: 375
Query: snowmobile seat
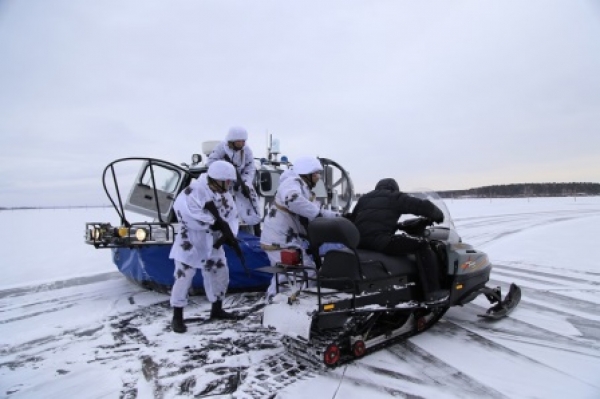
x: 351, y: 269
x: 393, y: 265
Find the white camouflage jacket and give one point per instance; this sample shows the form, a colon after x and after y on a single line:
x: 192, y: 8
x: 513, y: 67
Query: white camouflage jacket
x: 242, y: 160
x: 193, y: 244
x: 282, y: 227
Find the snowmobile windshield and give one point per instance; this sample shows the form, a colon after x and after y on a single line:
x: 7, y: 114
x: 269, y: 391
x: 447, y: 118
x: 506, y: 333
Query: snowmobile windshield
x: 439, y: 202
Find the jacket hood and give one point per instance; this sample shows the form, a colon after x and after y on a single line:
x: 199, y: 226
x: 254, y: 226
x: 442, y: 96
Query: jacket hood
x: 387, y: 184
x: 288, y: 173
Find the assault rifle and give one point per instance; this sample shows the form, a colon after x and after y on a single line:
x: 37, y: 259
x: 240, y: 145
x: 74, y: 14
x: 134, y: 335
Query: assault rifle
x: 227, y: 236
x: 239, y: 182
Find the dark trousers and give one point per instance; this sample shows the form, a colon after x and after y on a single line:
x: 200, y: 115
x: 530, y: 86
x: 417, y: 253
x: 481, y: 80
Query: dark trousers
x: 427, y: 264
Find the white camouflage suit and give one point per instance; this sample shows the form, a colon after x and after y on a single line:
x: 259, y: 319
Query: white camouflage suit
x: 243, y: 162
x: 282, y: 228
x: 193, y: 246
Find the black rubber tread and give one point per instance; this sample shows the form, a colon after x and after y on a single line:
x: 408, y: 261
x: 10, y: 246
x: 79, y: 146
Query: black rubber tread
x: 311, y: 353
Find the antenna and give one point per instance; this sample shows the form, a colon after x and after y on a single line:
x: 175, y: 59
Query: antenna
x: 268, y: 140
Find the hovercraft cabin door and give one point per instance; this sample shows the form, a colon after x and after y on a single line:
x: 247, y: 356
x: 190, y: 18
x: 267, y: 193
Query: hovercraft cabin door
x: 155, y: 189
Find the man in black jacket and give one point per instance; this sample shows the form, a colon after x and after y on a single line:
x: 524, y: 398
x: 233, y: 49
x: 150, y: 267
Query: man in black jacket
x: 376, y: 216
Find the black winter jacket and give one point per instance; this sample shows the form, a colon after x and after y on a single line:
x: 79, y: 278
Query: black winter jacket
x: 376, y: 213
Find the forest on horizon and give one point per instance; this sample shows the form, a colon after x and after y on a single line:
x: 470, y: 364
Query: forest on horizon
x: 526, y: 190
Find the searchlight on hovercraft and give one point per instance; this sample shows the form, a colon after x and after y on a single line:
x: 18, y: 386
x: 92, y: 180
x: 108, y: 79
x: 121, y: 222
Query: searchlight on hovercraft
x: 361, y: 300
x: 141, y: 240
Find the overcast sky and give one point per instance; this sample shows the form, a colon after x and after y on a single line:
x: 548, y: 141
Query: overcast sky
x: 437, y: 94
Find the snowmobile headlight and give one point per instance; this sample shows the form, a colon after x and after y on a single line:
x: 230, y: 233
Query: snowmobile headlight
x: 122, y: 232
x: 141, y: 234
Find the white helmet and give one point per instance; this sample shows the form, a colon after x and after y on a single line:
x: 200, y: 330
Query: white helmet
x: 237, y: 133
x: 221, y: 170
x: 307, y: 165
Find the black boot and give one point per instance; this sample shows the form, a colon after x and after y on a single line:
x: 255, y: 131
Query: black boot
x: 429, y: 272
x: 217, y: 312
x: 177, y: 323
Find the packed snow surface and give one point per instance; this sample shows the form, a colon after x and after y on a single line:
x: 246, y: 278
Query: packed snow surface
x: 72, y: 326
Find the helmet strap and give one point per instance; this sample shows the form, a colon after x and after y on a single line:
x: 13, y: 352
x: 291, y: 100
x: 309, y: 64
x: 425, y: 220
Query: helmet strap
x: 217, y: 185
x: 231, y: 145
x: 308, y: 180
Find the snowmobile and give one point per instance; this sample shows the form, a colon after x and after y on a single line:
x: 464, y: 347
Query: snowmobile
x: 356, y: 301
x: 142, y: 238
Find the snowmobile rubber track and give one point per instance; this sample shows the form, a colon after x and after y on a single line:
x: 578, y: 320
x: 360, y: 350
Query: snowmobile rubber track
x: 313, y: 353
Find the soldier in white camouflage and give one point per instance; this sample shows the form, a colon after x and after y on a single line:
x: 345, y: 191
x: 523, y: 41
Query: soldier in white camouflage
x: 287, y: 217
x: 194, y: 245
x: 235, y: 151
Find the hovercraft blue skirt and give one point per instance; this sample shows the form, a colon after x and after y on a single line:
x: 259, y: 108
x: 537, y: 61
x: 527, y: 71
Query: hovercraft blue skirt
x: 151, y: 267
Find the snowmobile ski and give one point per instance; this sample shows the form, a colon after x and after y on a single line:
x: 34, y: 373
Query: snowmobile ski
x: 505, y: 307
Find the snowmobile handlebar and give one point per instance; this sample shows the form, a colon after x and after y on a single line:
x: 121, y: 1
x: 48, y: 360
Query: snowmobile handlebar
x: 415, y: 226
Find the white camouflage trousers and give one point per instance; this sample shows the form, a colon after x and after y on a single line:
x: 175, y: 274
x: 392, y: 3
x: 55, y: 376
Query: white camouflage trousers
x: 216, y: 279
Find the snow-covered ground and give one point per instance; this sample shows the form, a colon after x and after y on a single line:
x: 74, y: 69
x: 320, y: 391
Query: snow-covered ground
x: 72, y: 326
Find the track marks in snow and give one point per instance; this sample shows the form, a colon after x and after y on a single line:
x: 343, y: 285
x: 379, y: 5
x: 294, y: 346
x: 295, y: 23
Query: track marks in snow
x: 577, y: 296
x: 555, y: 273
x: 60, y: 284
x: 517, y: 329
x: 476, y: 230
x: 507, y: 359
x: 212, y: 358
x: 434, y: 371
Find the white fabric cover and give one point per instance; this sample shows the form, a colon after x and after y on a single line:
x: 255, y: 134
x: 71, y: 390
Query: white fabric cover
x: 307, y: 165
x: 236, y: 133
x: 222, y: 170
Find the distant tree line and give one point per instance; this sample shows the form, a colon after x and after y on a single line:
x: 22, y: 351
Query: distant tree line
x: 527, y: 190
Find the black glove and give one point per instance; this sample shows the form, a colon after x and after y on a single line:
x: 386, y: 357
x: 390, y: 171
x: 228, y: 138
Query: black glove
x: 222, y: 240
x: 414, y: 227
x: 437, y: 215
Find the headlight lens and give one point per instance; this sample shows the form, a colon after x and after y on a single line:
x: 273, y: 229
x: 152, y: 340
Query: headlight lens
x: 141, y: 234
x: 96, y: 233
x: 138, y: 234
